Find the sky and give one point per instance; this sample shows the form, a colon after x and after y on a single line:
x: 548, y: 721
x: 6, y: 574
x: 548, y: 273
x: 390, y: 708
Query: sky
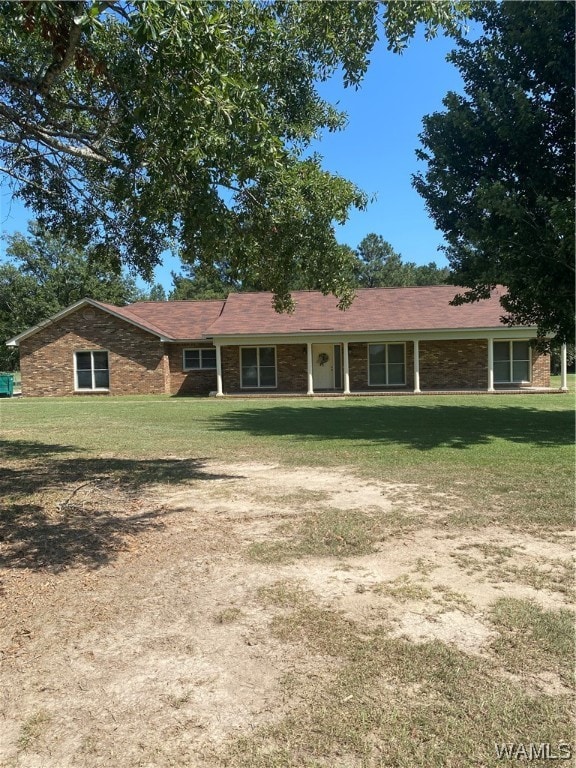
x: 376, y: 150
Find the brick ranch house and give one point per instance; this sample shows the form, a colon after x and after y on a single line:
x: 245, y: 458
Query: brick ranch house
x: 390, y: 340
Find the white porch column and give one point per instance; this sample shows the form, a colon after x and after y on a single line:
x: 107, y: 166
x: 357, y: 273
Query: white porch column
x: 219, y: 392
x: 346, y: 368
x: 563, y: 368
x: 309, y: 368
x: 490, y: 364
x: 416, y: 366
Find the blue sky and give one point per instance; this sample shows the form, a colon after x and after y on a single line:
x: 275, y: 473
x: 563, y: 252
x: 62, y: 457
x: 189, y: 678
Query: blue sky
x: 376, y: 150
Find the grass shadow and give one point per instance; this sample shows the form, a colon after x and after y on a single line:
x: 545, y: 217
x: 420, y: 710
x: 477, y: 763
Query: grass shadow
x: 33, y: 539
x: 34, y: 466
x: 12, y: 450
x: 61, y: 510
x: 421, y: 427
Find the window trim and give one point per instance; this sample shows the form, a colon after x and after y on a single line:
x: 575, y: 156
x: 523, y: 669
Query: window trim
x: 91, y: 352
x: 511, y: 379
x: 200, y: 350
x: 258, y: 347
x: 386, y: 344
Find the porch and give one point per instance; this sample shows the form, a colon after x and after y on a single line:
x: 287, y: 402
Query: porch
x: 377, y: 367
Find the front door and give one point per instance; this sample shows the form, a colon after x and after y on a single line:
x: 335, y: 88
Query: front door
x: 323, y: 366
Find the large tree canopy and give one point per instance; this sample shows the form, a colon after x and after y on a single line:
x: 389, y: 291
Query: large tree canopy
x: 135, y: 126
x: 500, y: 163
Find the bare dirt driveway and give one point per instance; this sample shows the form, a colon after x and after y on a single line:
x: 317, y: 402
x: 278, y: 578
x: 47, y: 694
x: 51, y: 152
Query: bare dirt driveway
x: 214, y: 623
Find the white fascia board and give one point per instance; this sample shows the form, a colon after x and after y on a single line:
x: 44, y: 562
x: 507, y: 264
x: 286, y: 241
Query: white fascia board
x: 335, y: 337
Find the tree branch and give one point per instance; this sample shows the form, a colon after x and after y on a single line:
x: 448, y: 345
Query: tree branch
x: 86, y: 152
x: 60, y: 65
x: 24, y: 180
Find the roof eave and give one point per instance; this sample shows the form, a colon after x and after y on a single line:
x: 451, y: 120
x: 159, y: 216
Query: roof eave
x: 413, y: 331
x: 15, y: 340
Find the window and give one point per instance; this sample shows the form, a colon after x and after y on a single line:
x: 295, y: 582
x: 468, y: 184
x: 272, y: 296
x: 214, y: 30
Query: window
x: 258, y: 367
x: 386, y: 367
x: 92, y: 370
x: 511, y: 361
x: 199, y: 359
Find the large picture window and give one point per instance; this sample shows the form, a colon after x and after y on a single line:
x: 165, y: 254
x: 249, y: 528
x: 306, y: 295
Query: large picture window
x: 386, y: 365
x: 203, y: 359
x: 258, y: 367
x: 511, y: 361
x: 92, y: 370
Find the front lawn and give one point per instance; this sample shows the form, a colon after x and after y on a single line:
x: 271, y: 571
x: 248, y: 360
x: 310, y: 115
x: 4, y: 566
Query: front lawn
x: 506, y: 456
x: 361, y: 583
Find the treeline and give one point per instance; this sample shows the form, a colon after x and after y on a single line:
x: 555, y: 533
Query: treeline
x: 374, y: 264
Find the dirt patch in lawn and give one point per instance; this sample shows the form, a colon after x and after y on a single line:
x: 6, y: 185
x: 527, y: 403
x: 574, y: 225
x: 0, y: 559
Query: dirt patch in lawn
x: 162, y: 651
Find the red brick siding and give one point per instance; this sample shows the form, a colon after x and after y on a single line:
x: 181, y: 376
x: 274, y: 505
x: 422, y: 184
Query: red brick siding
x: 189, y: 382
x: 540, y: 369
x: 460, y: 364
x: 136, y: 359
x: 290, y: 369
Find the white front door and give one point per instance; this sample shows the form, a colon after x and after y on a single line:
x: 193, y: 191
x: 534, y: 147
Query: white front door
x: 323, y: 366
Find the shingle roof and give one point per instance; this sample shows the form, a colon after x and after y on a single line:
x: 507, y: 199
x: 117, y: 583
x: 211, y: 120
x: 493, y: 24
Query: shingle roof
x: 425, y: 308
x: 373, y: 309
x: 172, y: 319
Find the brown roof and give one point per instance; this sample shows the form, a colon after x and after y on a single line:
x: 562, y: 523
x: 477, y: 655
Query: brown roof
x: 172, y: 319
x: 425, y: 308
x: 373, y: 309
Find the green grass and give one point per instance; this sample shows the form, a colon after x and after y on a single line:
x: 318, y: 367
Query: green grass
x: 331, y: 533
x: 500, y: 564
x: 403, y: 589
x: 33, y: 729
x: 506, y: 459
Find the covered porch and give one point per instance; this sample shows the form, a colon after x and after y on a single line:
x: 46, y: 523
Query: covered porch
x: 325, y: 366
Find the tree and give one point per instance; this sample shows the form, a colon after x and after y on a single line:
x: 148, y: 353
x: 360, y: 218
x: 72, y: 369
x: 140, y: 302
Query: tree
x: 216, y: 279
x: 135, y: 126
x: 431, y: 274
x: 202, y: 282
x: 378, y: 264
x: 500, y: 163
x: 45, y: 274
x: 156, y: 293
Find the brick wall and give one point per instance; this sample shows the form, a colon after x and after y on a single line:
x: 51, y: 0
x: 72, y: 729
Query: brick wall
x: 540, y: 369
x: 290, y: 369
x: 460, y: 364
x: 189, y: 382
x: 137, y: 361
